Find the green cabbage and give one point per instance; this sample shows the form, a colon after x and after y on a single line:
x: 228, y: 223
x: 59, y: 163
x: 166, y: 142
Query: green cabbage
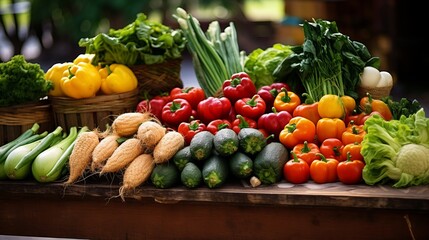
x: 396, y: 152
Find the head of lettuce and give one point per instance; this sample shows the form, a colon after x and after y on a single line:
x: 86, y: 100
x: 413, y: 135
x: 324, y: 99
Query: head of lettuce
x: 396, y: 152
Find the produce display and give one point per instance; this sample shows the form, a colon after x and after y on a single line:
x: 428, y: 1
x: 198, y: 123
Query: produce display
x: 287, y: 113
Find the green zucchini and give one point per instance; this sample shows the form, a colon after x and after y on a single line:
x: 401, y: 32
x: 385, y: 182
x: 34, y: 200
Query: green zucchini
x: 191, y: 175
x: 165, y: 175
x: 268, y: 164
x: 251, y: 140
x: 182, y: 157
x: 215, y: 171
x: 240, y: 165
x: 225, y: 142
x: 201, y: 145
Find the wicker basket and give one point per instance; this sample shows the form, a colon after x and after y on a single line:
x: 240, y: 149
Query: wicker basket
x: 158, y: 78
x: 376, y: 93
x: 96, y: 112
x: 15, y: 120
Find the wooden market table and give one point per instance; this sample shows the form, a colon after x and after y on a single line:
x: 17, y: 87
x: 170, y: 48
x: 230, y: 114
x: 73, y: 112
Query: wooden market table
x: 233, y: 211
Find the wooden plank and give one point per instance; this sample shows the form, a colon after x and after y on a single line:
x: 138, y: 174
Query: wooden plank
x: 99, y: 218
x: 282, y: 194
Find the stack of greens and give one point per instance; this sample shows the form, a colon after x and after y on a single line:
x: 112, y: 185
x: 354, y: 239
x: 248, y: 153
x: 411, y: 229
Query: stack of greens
x: 327, y: 63
x: 141, y: 42
x: 260, y: 64
x: 22, y: 82
x: 215, y: 54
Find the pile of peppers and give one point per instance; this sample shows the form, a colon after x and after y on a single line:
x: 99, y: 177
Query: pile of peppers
x: 321, y: 135
x: 81, y: 79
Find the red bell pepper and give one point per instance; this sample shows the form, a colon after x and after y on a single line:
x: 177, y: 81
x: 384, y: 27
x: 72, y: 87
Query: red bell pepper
x: 250, y: 107
x: 296, y: 170
x: 189, y: 129
x: 350, y: 170
x: 153, y: 105
x: 193, y: 95
x: 332, y: 148
x: 274, y: 122
x: 243, y: 122
x: 218, y: 124
x: 175, y: 112
x: 213, y: 108
x: 269, y: 93
x: 238, y: 86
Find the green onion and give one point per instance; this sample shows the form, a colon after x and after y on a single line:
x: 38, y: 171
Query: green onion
x: 215, y: 54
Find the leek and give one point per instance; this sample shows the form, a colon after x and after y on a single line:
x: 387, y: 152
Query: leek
x: 62, y: 161
x: 15, y: 157
x: 48, y: 158
x: 44, y: 144
x: 28, y: 133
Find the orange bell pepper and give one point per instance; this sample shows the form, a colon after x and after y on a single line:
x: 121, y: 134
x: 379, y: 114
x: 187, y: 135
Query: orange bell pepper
x: 353, y: 133
x: 298, y: 130
x: 286, y: 101
x: 353, y: 149
x: 307, y: 152
x: 349, y: 104
x: 368, y: 105
x: 324, y: 170
x: 309, y: 111
x: 330, y: 128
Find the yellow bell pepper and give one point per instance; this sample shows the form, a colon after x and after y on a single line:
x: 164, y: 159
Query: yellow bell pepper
x: 331, y: 106
x: 117, y: 78
x: 55, y: 74
x: 81, y: 80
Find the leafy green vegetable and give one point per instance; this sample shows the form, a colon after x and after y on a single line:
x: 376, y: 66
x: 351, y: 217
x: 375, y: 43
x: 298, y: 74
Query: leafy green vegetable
x: 260, y: 64
x: 328, y: 62
x: 404, y: 106
x: 140, y: 42
x: 22, y: 82
x: 396, y: 151
x: 215, y: 54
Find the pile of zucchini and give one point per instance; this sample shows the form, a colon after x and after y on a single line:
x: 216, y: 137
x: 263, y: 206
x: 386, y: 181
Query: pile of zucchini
x: 213, y: 159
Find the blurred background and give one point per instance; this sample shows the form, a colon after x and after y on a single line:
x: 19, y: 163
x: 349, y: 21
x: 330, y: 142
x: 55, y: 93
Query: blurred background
x: 47, y: 32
